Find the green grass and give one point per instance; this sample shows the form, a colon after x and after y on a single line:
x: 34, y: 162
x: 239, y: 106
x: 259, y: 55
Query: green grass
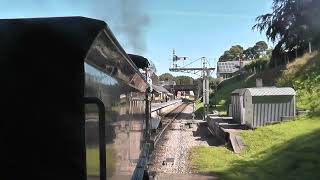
x: 221, y: 109
x: 190, y: 98
x: 198, y: 104
x: 283, y: 151
x: 93, y: 161
x: 199, y: 109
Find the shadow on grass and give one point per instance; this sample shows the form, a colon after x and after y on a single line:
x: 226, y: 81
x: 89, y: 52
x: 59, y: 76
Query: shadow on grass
x: 296, y: 159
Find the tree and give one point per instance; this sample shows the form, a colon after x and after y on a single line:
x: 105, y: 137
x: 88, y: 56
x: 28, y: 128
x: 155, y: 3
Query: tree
x: 232, y: 54
x: 292, y: 24
x: 260, y: 46
x: 249, y: 53
x: 236, y: 50
x: 226, y: 56
x: 166, y: 77
x: 184, y: 80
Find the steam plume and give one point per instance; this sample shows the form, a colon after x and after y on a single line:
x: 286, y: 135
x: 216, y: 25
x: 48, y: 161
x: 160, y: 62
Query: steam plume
x: 129, y: 18
x: 133, y: 22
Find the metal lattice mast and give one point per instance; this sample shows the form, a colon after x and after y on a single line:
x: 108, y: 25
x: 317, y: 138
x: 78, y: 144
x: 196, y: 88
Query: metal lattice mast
x: 205, y: 72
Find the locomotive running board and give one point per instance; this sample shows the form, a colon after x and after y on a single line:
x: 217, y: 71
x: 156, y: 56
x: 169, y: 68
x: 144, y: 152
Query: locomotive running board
x: 140, y: 170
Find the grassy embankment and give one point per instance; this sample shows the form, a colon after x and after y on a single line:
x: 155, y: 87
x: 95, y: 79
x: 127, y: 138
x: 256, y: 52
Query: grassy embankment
x: 199, y: 109
x: 226, y: 87
x: 282, y: 151
x: 246, y: 80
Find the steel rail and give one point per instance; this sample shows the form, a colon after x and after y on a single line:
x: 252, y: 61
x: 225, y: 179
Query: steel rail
x: 178, y: 110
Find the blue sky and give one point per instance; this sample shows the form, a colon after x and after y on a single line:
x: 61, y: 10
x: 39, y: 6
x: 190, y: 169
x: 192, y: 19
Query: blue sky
x: 194, y: 28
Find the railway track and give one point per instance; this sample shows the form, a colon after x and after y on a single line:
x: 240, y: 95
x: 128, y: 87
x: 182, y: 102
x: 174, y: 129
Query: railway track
x: 167, y: 121
x: 170, y: 155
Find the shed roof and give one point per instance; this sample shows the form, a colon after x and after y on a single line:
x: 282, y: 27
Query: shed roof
x: 271, y: 91
x: 266, y: 91
x: 238, y: 92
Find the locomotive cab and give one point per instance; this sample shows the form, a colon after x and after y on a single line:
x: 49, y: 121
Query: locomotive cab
x: 73, y: 102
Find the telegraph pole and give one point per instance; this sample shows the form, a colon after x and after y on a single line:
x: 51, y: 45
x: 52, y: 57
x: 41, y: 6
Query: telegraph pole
x: 205, y: 72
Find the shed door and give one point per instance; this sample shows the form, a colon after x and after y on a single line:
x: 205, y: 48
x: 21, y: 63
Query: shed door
x: 241, y: 110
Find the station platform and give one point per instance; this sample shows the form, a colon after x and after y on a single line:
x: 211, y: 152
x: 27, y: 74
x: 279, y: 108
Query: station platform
x: 158, y: 106
x: 159, y: 110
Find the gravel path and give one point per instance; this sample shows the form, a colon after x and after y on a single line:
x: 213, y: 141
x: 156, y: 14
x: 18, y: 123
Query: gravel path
x: 171, y: 154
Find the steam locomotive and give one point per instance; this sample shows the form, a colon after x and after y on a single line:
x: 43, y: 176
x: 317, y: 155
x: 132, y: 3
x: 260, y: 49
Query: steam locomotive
x: 74, y: 105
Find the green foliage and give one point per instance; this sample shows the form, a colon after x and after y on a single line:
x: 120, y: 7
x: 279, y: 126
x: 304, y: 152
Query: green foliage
x: 257, y: 65
x: 283, y: 151
x: 259, y: 49
x: 180, y: 80
x: 249, y: 53
x: 231, y: 54
x: 166, y: 77
x: 292, y: 24
x: 237, y: 52
x: 183, y: 80
x: 260, y: 46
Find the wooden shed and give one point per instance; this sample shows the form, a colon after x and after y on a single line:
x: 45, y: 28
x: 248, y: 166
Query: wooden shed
x: 260, y: 106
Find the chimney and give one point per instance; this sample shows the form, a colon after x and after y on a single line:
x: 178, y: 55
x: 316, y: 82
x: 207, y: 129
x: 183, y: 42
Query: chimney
x: 259, y: 82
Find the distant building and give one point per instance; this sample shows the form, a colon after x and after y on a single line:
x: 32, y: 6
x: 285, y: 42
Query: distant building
x: 227, y: 69
x: 161, y: 94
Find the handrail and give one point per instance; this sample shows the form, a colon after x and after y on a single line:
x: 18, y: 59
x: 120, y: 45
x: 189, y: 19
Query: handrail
x: 102, y: 134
